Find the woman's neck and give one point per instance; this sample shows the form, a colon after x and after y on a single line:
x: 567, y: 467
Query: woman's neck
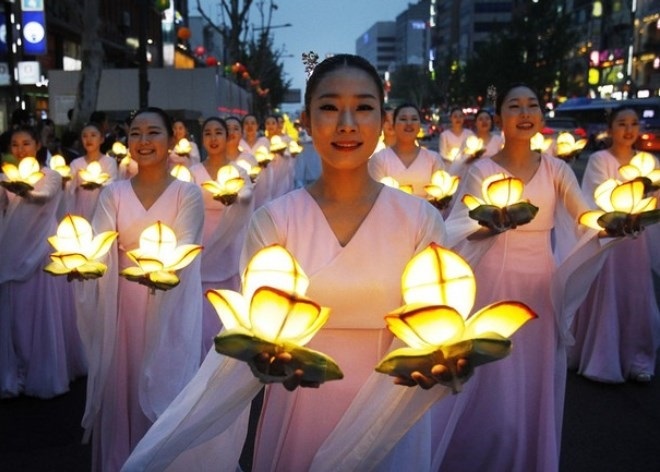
x: 341, y: 186
x: 93, y: 156
x: 214, y: 162
x: 622, y: 152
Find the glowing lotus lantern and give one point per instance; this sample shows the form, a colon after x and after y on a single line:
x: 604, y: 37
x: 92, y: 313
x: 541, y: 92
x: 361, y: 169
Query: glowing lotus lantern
x: 226, y: 186
x: 295, y: 148
x: 253, y: 171
x: 642, y: 167
x: 277, y: 145
x: 159, y: 257
x: 181, y: 172
x: 540, y: 143
x: 392, y: 182
x: 273, y: 315
x: 566, y: 146
x: 501, y: 206
x: 453, y: 154
x: 22, y: 178
x: 474, y: 148
x: 183, y: 148
x: 58, y: 164
x: 442, y: 188
x: 624, y: 209
x: 119, y: 150
x: 92, y: 176
x: 263, y: 156
x: 438, y: 289
x: 77, y: 250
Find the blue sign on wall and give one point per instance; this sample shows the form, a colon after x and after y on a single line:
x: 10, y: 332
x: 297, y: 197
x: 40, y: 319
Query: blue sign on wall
x: 34, y: 33
x: 3, y: 35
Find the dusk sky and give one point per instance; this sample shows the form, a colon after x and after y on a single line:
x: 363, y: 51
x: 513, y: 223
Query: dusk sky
x: 323, y: 26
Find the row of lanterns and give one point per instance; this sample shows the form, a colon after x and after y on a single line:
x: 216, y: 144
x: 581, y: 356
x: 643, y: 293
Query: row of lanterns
x: 272, y: 313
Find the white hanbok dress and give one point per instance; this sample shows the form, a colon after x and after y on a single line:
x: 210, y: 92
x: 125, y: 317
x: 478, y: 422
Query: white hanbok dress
x: 40, y: 348
x: 509, y: 415
x: 223, y: 237
x: 386, y: 163
x: 617, y: 329
x: 361, y: 422
x: 143, y: 346
x: 81, y: 201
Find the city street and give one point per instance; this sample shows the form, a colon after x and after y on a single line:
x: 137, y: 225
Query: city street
x: 606, y: 427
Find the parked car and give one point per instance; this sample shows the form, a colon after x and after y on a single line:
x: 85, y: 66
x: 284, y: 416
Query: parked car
x: 555, y: 125
x: 649, y: 136
x: 427, y: 131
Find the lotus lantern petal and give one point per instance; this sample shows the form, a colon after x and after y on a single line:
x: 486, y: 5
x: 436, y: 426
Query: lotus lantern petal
x: 253, y: 171
x: 183, y: 147
x: 501, y: 206
x: 59, y: 165
x: 540, y: 143
x: 642, y: 166
x: 442, y: 187
x: 92, y: 176
x: 22, y: 178
x: 439, y: 290
x: 295, y: 148
x: 181, y: 172
x: 624, y: 208
x: 226, y: 186
x: 159, y: 257
x: 392, y: 182
x: 474, y: 147
x: 273, y: 315
x: 277, y: 144
x: 263, y: 156
x: 77, y: 250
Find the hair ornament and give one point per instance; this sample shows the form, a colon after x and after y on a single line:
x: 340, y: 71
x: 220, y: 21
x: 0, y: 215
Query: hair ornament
x: 310, y: 59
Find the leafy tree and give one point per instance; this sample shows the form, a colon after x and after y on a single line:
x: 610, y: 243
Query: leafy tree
x: 262, y: 61
x: 533, y: 51
x: 411, y: 83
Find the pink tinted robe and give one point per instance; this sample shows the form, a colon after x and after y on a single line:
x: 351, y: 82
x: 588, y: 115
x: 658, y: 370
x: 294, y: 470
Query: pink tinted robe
x: 509, y: 415
x: 40, y: 349
x: 223, y: 236
x: 617, y: 329
x: 361, y: 422
x: 80, y: 201
x: 386, y: 163
x: 143, y: 347
x: 450, y: 141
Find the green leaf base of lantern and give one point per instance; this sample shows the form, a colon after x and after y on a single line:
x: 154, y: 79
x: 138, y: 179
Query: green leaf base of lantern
x: 158, y: 280
x: 226, y: 199
x: 441, y: 203
x: 502, y: 219
x: 404, y: 361
x: 317, y: 367
x: 91, y: 185
x: 617, y: 223
x: 18, y: 188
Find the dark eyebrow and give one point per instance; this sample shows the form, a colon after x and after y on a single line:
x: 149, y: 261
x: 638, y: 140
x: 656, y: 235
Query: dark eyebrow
x: 360, y: 96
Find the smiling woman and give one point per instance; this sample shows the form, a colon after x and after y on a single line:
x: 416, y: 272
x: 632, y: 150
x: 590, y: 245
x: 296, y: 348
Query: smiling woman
x: 406, y: 161
x: 143, y: 344
x: 340, y: 230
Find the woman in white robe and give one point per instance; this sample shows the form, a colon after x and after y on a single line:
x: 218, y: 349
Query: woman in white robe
x: 40, y: 349
x: 340, y: 229
x: 143, y: 344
